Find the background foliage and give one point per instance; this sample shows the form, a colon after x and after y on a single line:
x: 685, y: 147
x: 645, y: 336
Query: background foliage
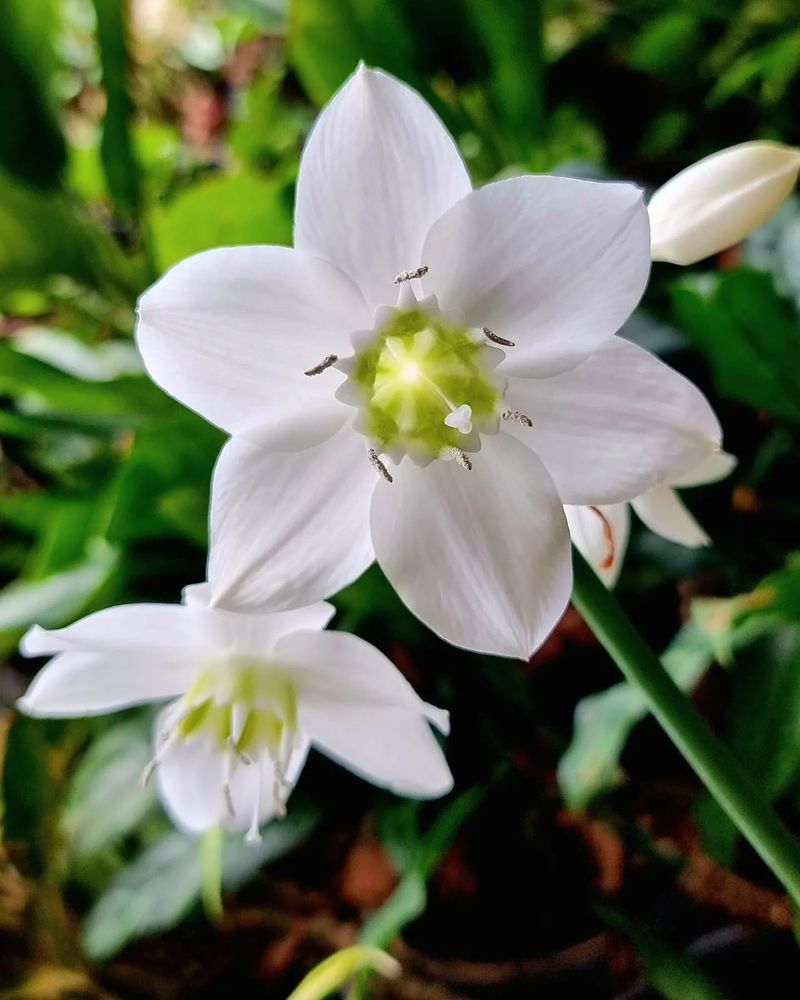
x: 577, y: 852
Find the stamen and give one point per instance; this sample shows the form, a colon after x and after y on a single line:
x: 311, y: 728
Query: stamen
x: 327, y: 362
x: 240, y: 754
x: 517, y: 417
x: 148, y: 772
x: 410, y: 275
x: 253, y: 835
x: 608, y: 561
x: 226, y: 788
x: 497, y: 340
x: 461, y: 457
x: 378, y: 464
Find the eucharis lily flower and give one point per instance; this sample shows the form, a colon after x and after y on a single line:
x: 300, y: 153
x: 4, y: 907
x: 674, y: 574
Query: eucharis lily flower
x: 601, y: 532
x: 248, y: 695
x: 425, y: 378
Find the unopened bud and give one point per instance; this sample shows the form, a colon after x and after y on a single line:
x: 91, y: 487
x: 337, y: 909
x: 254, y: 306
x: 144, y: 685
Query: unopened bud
x: 719, y: 200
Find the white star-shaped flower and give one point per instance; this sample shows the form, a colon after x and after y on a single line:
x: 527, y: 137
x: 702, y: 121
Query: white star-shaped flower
x: 247, y: 696
x: 440, y: 430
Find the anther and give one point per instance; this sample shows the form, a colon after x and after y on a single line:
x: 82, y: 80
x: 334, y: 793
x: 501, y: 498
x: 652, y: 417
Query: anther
x: 229, y: 801
x: 517, y: 417
x: 608, y: 534
x: 410, y: 275
x: 326, y: 363
x: 462, y: 458
x: 240, y: 754
x: 148, y: 772
x: 378, y: 464
x: 497, y: 340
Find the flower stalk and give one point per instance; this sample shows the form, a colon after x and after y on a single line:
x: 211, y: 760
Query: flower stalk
x: 711, y: 760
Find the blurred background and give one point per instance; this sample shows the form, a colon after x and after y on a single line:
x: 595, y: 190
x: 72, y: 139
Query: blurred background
x: 578, y: 855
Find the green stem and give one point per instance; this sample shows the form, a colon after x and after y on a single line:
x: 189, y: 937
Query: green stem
x: 714, y: 764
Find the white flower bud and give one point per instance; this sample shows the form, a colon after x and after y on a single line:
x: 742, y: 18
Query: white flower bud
x: 719, y: 200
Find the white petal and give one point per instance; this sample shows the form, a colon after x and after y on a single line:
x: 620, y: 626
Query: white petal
x: 663, y: 511
x: 259, y: 633
x: 390, y: 747
x: 482, y: 557
x: 288, y: 529
x: 600, y: 534
x: 340, y: 667
x: 716, y: 202
x: 378, y: 169
x: 615, y: 425
x: 553, y: 264
x: 78, y: 683
x: 159, y: 629
x: 190, y: 779
x: 230, y: 333
x: 715, y: 466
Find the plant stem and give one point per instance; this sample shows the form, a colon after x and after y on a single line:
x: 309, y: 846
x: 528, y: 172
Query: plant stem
x: 714, y: 764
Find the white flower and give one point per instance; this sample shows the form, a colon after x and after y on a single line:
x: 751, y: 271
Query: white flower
x: 601, y: 532
x: 520, y: 287
x: 719, y: 200
x: 248, y: 695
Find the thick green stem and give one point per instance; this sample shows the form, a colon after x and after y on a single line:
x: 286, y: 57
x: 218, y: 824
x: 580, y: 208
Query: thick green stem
x: 717, y: 768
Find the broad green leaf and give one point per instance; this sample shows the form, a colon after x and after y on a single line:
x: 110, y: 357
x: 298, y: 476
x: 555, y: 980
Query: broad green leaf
x: 604, y: 721
x: 109, y: 773
x: 667, y: 43
x: 327, y: 40
x: 228, y: 210
x: 164, y: 883
x: 748, y: 333
x: 57, y: 599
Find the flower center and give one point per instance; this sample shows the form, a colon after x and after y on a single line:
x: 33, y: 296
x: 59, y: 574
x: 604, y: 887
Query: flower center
x: 246, y: 709
x: 425, y: 386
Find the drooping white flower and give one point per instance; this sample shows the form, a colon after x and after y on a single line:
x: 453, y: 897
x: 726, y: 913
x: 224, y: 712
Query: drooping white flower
x: 601, y: 532
x: 495, y: 379
x: 719, y: 200
x: 247, y: 696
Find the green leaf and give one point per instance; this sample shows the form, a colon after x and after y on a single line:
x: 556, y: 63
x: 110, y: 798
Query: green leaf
x: 513, y: 42
x: 327, y: 40
x: 604, y: 721
x: 116, y: 145
x: 44, y: 234
x: 107, y: 774
x: 57, y: 599
x: 409, y: 899
x: 674, y: 974
x: 749, y: 335
x: 165, y: 882
x: 667, y: 43
x: 228, y: 210
x: 32, y: 147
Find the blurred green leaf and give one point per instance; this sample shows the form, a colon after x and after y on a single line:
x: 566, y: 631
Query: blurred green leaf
x: 748, y: 333
x: 604, y: 721
x: 57, y: 599
x: 226, y: 210
x: 513, y: 42
x: 667, y: 43
x: 164, y: 883
x: 116, y: 144
x: 31, y: 144
x: 106, y: 800
x: 674, y: 974
x: 327, y: 40
x: 96, y: 363
x: 44, y: 234
x: 425, y: 851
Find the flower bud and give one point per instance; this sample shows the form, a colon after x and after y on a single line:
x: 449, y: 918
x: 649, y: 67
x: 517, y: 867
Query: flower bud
x: 719, y: 200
